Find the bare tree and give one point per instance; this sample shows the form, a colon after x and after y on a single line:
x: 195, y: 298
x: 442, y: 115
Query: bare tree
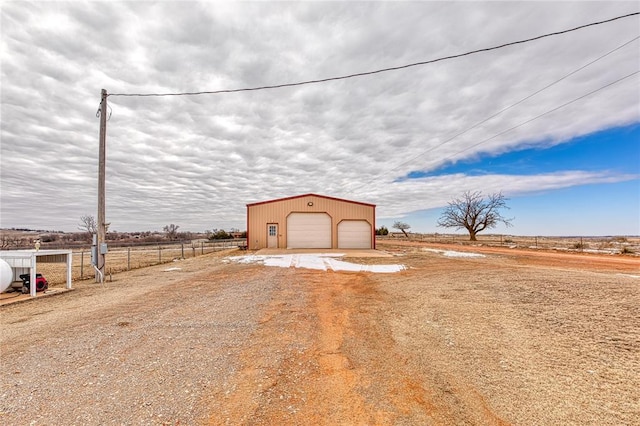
x: 474, y: 213
x: 88, y: 224
x: 403, y: 227
x: 7, y: 241
x: 172, y: 231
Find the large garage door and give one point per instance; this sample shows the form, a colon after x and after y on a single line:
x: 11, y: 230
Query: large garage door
x: 354, y: 234
x: 309, y: 230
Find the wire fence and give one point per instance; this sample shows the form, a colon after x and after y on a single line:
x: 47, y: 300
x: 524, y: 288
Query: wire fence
x: 120, y: 259
x: 606, y: 245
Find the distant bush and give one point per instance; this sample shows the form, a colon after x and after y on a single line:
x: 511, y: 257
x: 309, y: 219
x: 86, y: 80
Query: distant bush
x: 619, y: 240
x: 184, y: 236
x: 580, y: 246
x: 382, y: 230
x: 605, y: 245
x: 220, y: 234
x: 627, y: 250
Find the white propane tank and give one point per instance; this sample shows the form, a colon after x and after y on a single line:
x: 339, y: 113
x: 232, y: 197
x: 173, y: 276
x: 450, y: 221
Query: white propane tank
x: 6, y: 275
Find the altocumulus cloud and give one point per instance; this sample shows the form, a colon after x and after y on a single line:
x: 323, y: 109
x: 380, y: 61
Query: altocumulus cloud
x: 196, y: 161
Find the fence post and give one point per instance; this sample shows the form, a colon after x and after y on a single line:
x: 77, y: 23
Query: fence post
x: 182, y: 249
x: 536, y: 241
x: 129, y: 259
x: 202, y: 247
x: 81, y: 264
x: 159, y: 254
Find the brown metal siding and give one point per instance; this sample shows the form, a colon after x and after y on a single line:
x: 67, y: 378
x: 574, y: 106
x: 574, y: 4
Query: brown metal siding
x: 259, y: 214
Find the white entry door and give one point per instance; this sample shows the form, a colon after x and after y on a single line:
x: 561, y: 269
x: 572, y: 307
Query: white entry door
x: 272, y: 235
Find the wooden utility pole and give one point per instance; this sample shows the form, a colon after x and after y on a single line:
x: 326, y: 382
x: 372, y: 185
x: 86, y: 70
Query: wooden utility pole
x: 102, y: 232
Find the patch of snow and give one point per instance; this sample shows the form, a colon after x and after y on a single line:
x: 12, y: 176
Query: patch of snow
x: 339, y: 265
x: 630, y: 275
x: 310, y: 262
x: 600, y: 251
x: 320, y: 261
x: 247, y: 259
x: 172, y: 269
x: 280, y: 261
x: 451, y: 253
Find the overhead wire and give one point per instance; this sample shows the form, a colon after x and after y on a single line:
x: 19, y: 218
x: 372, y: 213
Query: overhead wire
x: 406, y: 162
x: 430, y: 62
x: 362, y: 74
x: 546, y: 113
x: 524, y: 122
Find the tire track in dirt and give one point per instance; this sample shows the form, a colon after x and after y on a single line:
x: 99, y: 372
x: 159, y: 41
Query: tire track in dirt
x: 334, y: 393
x: 293, y: 369
x: 408, y: 396
x: 323, y: 355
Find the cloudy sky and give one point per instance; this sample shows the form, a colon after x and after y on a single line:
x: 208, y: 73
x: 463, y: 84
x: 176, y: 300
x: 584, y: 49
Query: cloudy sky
x: 554, y: 124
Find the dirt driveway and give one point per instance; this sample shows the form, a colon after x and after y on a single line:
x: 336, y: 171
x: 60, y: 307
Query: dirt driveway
x: 508, y: 338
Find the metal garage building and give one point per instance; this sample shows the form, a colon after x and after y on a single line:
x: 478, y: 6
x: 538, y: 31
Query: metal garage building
x: 311, y: 221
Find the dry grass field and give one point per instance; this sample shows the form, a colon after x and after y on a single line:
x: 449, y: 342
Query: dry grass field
x: 466, y: 335
x: 121, y: 259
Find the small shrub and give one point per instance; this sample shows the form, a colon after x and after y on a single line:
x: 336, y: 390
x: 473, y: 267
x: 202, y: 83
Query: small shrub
x: 627, y: 250
x: 580, y: 246
x: 220, y: 235
x: 620, y: 239
x: 605, y: 245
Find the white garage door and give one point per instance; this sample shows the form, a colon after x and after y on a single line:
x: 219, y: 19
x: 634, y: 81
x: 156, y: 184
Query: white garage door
x: 354, y: 234
x: 309, y: 230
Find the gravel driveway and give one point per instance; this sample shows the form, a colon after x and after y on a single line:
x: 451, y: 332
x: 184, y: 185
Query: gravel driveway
x: 490, y: 340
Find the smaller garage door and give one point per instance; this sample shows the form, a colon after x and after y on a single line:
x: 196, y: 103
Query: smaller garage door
x: 309, y: 230
x: 354, y: 234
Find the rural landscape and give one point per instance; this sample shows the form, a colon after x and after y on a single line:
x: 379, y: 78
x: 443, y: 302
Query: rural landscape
x: 141, y: 249
x: 464, y: 334
x: 320, y: 213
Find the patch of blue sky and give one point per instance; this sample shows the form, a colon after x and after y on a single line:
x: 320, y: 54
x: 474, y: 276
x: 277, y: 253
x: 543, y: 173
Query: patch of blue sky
x: 615, y: 150
x: 584, y: 210
x: 570, y: 211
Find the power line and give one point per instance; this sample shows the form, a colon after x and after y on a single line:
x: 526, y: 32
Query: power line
x: 546, y: 113
x: 524, y: 122
x: 362, y: 74
x: 404, y: 163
